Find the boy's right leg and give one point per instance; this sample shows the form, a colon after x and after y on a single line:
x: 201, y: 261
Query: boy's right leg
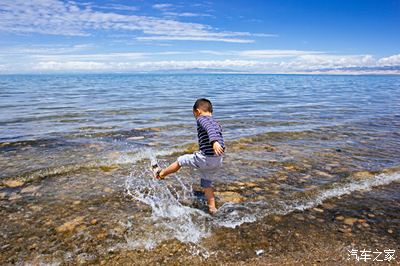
x: 172, y: 168
x: 187, y: 159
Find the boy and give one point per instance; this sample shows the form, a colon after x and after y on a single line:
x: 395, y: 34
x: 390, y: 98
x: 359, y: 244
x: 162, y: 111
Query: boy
x: 209, y: 158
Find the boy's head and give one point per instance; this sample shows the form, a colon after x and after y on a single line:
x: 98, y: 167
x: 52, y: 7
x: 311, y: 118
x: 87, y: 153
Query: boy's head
x: 202, y: 106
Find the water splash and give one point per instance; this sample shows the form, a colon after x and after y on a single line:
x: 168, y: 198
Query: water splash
x: 169, y: 219
x: 173, y: 217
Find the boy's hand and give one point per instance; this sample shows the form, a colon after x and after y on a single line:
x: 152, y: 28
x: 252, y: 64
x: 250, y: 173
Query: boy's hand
x: 218, y: 148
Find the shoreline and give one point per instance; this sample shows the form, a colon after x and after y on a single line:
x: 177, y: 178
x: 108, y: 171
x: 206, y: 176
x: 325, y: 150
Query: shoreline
x: 316, y: 236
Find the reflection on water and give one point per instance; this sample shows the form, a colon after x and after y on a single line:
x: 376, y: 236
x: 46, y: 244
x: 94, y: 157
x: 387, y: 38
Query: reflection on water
x: 74, y: 156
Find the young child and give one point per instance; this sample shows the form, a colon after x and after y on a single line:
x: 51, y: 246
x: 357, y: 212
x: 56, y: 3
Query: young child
x: 209, y: 158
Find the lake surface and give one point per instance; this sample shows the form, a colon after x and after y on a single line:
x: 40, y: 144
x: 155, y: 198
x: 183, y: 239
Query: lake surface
x: 75, y: 149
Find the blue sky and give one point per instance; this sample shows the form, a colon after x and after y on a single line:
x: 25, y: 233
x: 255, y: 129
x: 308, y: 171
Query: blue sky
x: 283, y: 36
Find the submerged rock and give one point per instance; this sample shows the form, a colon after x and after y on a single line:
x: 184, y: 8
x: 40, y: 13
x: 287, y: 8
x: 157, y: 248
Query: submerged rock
x: 362, y: 175
x: 30, y: 189
x: 328, y: 206
x: 269, y: 148
x: 14, y: 196
x: 229, y: 196
x: 108, y: 168
x: 277, y: 218
x: 259, y: 252
x: 318, y: 210
x: 108, y: 190
x: 12, y: 183
x: 70, y: 225
x: 136, y: 138
x: 350, y: 220
x: 339, y: 218
x: 323, y: 174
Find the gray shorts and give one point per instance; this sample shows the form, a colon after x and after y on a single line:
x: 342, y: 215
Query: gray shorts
x: 207, y: 166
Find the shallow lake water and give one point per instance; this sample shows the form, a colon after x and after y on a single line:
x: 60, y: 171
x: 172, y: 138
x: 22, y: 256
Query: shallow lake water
x: 310, y: 161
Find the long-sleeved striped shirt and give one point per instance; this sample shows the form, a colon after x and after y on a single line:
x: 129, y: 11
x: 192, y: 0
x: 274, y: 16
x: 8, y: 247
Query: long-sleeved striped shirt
x: 208, y: 131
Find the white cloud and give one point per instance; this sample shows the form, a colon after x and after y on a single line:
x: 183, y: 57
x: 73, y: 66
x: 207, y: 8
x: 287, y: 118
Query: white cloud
x: 163, y: 7
x: 82, y: 58
x: 193, y: 38
x: 89, y: 57
x: 186, y: 14
x: 117, y: 7
x: 71, y: 66
x: 73, y: 19
x: 275, y: 53
x: 390, y: 61
x: 319, y: 61
x: 45, y: 49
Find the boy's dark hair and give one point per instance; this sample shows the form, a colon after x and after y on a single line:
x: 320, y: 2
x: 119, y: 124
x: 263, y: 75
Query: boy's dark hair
x: 203, y: 104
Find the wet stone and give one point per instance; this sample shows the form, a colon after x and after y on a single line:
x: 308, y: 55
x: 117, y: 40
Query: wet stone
x: 350, y: 220
x: 323, y: 174
x: 153, y: 144
x: 35, y: 208
x: 277, y: 218
x: 318, y: 209
x: 12, y: 183
x: 30, y: 189
x: 14, y: 196
x: 229, y: 196
x: 101, y: 236
x: 108, y: 190
x: 366, y: 225
x: 70, y: 225
x: 299, y: 217
x: 108, y: 168
x: 339, y: 218
x: 362, y: 174
x: 136, y: 138
x: 250, y: 184
x: 328, y: 206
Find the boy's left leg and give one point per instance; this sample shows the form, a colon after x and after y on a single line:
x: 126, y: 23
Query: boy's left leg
x: 209, y: 193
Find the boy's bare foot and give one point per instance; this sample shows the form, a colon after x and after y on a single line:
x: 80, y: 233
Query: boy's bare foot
x: 212, y: 210
x: 156, y: 171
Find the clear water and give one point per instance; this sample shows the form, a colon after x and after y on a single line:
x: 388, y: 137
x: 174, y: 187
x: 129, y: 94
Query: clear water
x: 86, y: 141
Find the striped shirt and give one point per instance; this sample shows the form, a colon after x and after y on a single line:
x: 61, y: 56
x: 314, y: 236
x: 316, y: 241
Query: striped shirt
x: 208, y: 131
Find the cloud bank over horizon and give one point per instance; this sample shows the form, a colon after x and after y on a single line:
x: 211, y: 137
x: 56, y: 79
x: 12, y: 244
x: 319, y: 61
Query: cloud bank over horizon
x: 47, y: 36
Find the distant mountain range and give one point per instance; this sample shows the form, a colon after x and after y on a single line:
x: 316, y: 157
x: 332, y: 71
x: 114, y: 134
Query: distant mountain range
x: 197, y: 71
x: 374, y: 69
x: 343, y: 70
